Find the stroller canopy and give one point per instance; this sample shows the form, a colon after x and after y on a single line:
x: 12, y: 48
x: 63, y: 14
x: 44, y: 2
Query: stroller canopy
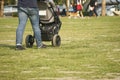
x: 46, y: 12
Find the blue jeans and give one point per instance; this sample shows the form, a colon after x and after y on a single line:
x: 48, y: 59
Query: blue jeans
x: 33, y: 15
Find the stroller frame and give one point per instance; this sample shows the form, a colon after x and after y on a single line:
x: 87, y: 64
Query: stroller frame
x: 50, y: 25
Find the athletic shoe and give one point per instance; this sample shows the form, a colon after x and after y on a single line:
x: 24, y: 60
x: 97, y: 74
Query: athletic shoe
x: 19, y: 47
x: 42, y: 46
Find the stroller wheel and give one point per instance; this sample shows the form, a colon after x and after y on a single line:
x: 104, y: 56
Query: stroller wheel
x: 56, y: 41
x: 29, y: 41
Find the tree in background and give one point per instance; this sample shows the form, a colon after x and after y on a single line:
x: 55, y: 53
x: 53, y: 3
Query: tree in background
x: 103, y: 7
x: 1, y: 7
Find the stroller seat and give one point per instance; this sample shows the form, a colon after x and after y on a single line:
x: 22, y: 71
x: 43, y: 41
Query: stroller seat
x: 45, y: 13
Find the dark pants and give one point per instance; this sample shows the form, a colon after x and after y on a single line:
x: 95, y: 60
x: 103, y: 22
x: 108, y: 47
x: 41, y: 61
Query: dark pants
x: 63, y: 12
x: 93, y: 11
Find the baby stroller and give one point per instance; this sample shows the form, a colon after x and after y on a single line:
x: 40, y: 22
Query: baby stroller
x: 50, y: 25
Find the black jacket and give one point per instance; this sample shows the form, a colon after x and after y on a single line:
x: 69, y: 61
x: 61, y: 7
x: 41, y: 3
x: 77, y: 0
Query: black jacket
x: 92, y: 3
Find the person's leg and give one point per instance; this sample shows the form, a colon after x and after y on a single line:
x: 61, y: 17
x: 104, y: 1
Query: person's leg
x: 81, y: 13
x: 78, y: 13
x: 21, y: 26
x: 34, y: 18
x: 95, y: 12
x: 90, y: 13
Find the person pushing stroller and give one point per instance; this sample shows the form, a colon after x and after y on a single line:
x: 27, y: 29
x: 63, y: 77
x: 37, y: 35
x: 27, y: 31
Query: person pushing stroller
x: 28, y: 9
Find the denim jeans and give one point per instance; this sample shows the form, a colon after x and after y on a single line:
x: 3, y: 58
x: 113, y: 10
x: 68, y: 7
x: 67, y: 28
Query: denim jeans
x: 33, y: 15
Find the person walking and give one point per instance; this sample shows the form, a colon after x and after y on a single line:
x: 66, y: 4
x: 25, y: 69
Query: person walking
x: 79, y: 9
x: 28, y: 9
x: 92, y: 6
x: 64, y: 10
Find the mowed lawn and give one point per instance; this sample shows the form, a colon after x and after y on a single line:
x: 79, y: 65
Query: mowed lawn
x: 90, y: 50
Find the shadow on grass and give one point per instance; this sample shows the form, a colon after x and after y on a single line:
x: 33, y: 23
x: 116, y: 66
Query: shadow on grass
x: 7, y: 46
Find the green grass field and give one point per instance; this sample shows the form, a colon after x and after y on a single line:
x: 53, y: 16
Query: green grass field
x: 90, y: 50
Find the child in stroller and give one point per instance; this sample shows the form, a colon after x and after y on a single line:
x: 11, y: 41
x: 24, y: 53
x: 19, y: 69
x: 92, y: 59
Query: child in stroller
x: 50, y: 25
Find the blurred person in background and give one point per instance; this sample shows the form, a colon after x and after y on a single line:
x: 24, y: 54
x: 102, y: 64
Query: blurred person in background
x: 92, y: 7
x: 79, y: 8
